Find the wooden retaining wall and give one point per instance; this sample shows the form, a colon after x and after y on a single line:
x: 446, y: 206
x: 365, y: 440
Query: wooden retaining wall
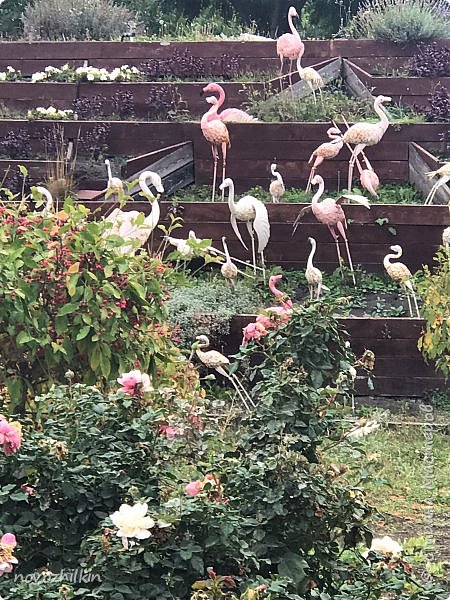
x: 407, y: 91
x: 253, y: 147
x: 400, y: 369
x: 417, y: 228
x: 34, y: 56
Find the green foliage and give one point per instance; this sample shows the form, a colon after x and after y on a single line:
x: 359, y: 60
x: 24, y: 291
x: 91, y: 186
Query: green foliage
x: 206, y: 307
x: 72, y: 299
x: 401, y: 21
x: 75, y: 20
x: 10, y: 17
x: 434, y: 289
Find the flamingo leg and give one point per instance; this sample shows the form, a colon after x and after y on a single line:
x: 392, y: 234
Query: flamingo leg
x: 215, y: 159
x: 263, y: 263
x: 250, y: 231
x: 281, y: 72
x: 318, y: 161
x: 243, y: 390
x: 311, y: 87
x: 341, y: 228
x: 225, y: 373
x: 290, y: 75
x: 435, y: 187
x: 321, y: 95
x: 336, y: 241
x: 319, y: 290
x: 415, y: 304
x: 351, y: 164
x: 224, y: 166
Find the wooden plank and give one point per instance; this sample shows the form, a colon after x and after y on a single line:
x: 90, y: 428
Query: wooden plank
x: 139, y: 163
x: 353, y: 83
x: 417, y: 175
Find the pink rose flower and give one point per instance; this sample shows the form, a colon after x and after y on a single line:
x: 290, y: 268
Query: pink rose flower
x: 253, y: 331
x: 134, y: 382
x: 7, y: 560
x: 194, y: 487
x: 10, y: 436
x: 169, y: 431
x: 8, y: 539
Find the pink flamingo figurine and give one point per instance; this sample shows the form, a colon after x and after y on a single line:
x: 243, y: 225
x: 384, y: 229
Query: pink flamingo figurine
x: 289, y: 45
x: 325, y: 151
x: 369, y: 179
x: 230, y: 115
x: 216, y: 133
x: 281, y: 298
x: 366, y: 134
x: 330, y: 213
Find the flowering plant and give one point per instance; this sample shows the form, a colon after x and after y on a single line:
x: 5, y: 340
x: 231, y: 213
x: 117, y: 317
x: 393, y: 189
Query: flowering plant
x: 87, y: 73
x: 51, y: 112
x: 10, y: 74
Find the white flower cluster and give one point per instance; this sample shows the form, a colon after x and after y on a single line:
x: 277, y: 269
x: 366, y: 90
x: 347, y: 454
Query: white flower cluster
x: 50, y: 113
x: 10, y: 74
x: 87, y: 73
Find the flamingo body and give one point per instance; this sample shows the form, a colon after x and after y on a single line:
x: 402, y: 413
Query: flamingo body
x: 229, y: 115
x: 216, y: 133
x: 276, y: 188
x: 313, y: 274
x: 400, y: 273
x: 289, y: 45
x: 325, y: 151
x: 370, y: 181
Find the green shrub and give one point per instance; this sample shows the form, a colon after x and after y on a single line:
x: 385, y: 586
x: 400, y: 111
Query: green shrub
x: 71, y: 300
x: 401, y: 21
x: 75, y: 20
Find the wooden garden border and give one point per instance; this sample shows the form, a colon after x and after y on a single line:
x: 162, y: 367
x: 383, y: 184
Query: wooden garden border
x: 400, y: 369
x: 34, y: 56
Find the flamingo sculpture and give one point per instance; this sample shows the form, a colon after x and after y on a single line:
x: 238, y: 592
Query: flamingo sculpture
x: 312, y: 78
x: 313, y: 274
x: 216, y: 133
x: 400, y: 273
x: 182, y: 246
x: 217, y: 361
x: 230, y: 115
x: 282, y: 299
x: 446, y: 239
x: 254, y: 213
x: 228, y: 269
x: 276, y: 188
x: 124, y: 222
x: 444, y: 176
x: 330, y: 213
x: 366, y: 134
x: 290, y: 46
x: 49, y: 207
x: 325, y: 151
x: 115, y: 184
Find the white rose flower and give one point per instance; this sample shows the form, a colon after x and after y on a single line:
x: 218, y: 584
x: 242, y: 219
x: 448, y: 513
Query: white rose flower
x: 90, y: 77
x: 10, y: 69
x: 132, y: 522
x: 51, y: 110
x: 2, y: 76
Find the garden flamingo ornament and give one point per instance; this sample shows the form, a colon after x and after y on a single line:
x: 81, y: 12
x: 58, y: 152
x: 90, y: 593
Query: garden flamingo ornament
x: 276, y: 188
x: 325, y: 151
x: 183, y: 246
x: 220, y: 363
x: 124, y: 222
x: 254, y: 213
x: 228, y: 269
x: 216, y: 133
x: 446, y: 239
x: 400, y: 273
x: 115, y: 184
x: 368, y: 178
x: 282, y: 299
x: 330, y: 213
x: 312, y: 78
x: 444, y: 176
x: 229, y: 115
x: 313, y: 274
x: 49, y: 207
x: 290, y: 46
x: 366, y: 134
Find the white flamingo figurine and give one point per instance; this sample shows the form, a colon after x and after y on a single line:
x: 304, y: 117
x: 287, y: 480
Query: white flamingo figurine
x: 313, y: 274
x: 400, y: 273
x: 115, y: 184
x: 49, y: 207
x: 276, y: 188
x: 446, y: 239
x: 254, y: 213
x: 217, y: 361
x: 366, y: 134
x: 124, y: 222
x: 228, y: 269
x: 182, y: 246
x: 312, y: 78
x: 444, y: 176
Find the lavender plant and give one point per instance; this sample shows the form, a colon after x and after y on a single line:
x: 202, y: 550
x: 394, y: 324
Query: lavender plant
x: 226, y: 66
x: 431, y: 60
x: 165, y: 103
x: 16, y: 144
x: 93, y: 141
x: 89, y: 108
x: 438, y: 108
x: 123, y: 104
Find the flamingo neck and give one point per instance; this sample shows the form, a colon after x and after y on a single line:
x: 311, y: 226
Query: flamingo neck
x: 277, y: 293
x: 292, y: 28
x: 227, y: 254
x: 231, y: 197
x: 211, y: 115
x: 221, y: 93
x: 379, y: 109
x: 317, y: 195
x: 108, y: 168
x: 300, y: 69
x: 309, y: 264
x: 387, y: 259
x: 279, y: 178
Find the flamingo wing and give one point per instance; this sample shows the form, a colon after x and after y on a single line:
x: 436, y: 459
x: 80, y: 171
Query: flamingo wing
x: 261, y: 224
x: 235, y: 115
x: 299, y: 216
x: 362, y: 200
x: 235, y: 227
